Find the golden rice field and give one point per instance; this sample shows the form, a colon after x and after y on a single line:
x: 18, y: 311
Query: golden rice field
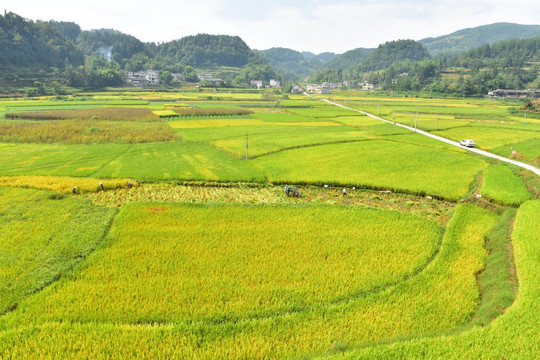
x: 207, y: 257
x: 514, y: 335
x: 146, y: 284
x: 65, y: 185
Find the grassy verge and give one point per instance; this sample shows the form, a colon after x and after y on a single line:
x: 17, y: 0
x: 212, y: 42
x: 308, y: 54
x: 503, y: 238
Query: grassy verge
x: 497, y: 282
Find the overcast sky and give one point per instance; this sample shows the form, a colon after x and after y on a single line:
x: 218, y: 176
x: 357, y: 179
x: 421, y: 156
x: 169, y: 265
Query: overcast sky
x: 304, y: 25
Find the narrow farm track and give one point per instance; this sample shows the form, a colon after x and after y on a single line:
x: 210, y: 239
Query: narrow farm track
x: 445, y: 140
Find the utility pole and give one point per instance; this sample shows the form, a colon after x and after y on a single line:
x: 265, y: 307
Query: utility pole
x: 394, y: 117
x: 246, y: 147
x: 365, y: 106
x: 416, y: 122
x: 378, y: 108
x: 437, y: 123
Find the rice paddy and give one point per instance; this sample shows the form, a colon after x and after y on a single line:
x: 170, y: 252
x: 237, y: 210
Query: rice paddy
x: 187, y: 246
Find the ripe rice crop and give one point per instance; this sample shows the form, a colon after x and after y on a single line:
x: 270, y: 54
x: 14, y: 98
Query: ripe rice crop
x: 159, y: 193
x: 185, y: 112
x: 132, y: 298
x: 502, y: 185
x: 514, y: 335
x: 85, y: 132
x: 189, y: 263
x: 111, y: 114
x: 63, y: 184
x: 242, y: 193
x: 43, y: 236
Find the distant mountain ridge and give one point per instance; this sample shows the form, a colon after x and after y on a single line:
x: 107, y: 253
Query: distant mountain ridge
x: 468, y: 39
x: 61, y: 51
x: 292, y: 64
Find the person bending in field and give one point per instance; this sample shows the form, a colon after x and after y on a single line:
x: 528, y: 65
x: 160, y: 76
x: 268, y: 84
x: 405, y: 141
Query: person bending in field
x: 287, y: 190
x: 344, y: 191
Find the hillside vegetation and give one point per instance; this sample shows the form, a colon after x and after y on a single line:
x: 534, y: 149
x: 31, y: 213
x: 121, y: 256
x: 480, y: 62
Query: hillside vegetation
x: 39, y: 58
x: 468, y: 39
x: 25, y: 43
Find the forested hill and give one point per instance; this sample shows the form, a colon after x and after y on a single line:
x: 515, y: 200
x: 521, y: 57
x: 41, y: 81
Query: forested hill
x: 366, y: 60
x: 393, y: 52
x: 112, y: 44
x: 28, y: 43
x: 349, y: 58
x: 471, y: 38
x: 292, y: 64
x: 206, y: 50
x: 517, y: 52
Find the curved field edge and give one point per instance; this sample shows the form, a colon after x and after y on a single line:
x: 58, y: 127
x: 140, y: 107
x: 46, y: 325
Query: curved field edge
x: 378, y: 164
x: 44, y: 236
x: 443, y: 296
x: 511, y: 336
x: 240, y: 260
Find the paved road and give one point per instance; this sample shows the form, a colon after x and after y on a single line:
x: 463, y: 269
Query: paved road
x: 440, y: 138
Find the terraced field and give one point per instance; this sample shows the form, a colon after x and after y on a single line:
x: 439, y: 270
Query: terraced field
x: 183, y: 248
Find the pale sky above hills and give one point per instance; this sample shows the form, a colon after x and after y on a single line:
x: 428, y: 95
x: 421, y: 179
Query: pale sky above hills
x: 304, y: 25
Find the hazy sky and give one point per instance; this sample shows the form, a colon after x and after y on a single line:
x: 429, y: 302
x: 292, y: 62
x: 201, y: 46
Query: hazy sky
x: 304, y: 25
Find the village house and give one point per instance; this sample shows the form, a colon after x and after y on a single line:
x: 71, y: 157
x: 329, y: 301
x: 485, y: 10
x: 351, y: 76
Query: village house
x: 274, y: 83
x: 332, y: 86
x: 296, y: 90
x: 367, y: 86
x: 140, y: 78
x: 204, y: 77
x: 257, y: 84
x: 318, y: 89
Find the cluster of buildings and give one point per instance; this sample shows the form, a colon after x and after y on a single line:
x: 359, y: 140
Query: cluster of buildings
x: 151, y: 78
x: 513, y: 94
x: 325, y: 88
x: 209, y: 78
x: 140, y: 78
x: 273, y: 83
x: 147, y: 77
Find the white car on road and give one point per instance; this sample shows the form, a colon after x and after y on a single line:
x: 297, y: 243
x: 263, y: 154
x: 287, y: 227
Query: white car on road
x: 467, y: 143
